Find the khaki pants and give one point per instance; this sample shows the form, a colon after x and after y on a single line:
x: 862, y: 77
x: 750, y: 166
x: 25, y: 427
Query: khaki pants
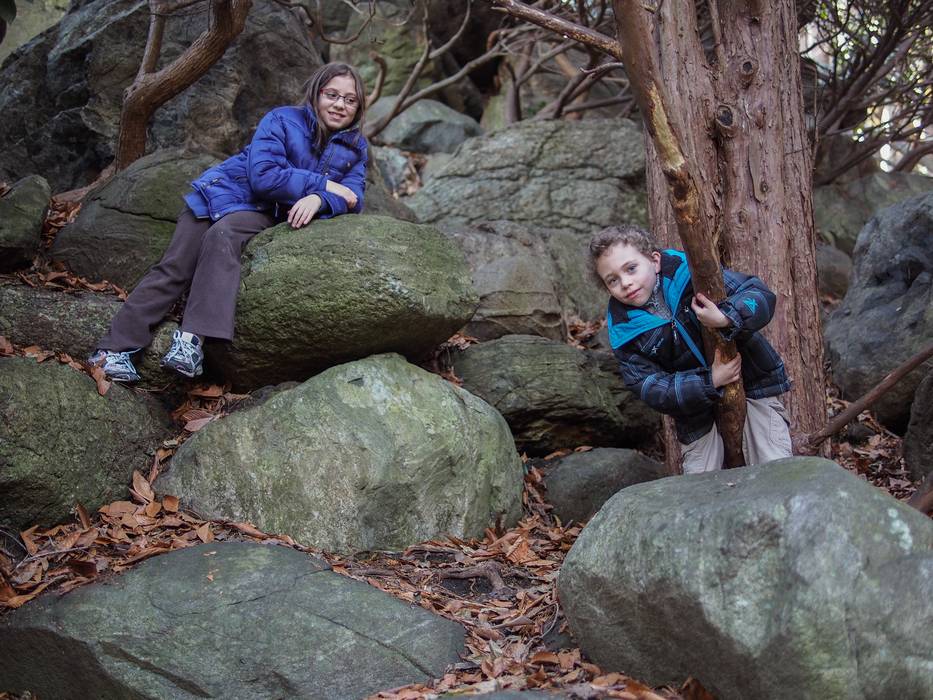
x: 765, y: 437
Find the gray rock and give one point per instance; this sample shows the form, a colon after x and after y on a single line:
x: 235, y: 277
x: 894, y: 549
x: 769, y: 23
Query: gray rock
x: 840, y: 211
x: 224, y: 620
x: 886, y: 316
x: 555, y: 174
x: 427, y: 126
x: 553, y: 395
x: 32, y: 17
x: 22, y: 213
x: 392, y: 164
x: 61, y: 95
x: 61, y: 443
x: 918, y: 441
x: 374, y: 454
x: 515, y: 279
x: 579, y: 484
x: 833, y: 270
x: 73, y: 323
x: 379, y: 198
x: 124, y: 226
x: 339, y: 290
x: 761, y: 582
x: 580, y: 295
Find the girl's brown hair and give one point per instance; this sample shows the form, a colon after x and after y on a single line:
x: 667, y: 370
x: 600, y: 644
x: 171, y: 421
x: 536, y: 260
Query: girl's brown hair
x: 601, y: 242
x: 312, y: 89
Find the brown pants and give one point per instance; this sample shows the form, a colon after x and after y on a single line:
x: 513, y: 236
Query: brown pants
x: 202, y: 255
x: 765, y: 437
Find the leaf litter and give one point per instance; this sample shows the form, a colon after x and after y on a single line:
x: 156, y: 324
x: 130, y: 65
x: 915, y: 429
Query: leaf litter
x: 501, y: 588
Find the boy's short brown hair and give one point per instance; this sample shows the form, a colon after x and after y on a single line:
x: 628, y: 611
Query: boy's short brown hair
x: 601, y: 242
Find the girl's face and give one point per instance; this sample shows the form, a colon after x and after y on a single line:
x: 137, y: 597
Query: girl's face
x: 629, y: 276
x: 337, y: 102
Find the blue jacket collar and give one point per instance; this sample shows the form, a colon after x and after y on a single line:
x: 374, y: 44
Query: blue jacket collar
x: 628, y: 322
x: 343, y: 134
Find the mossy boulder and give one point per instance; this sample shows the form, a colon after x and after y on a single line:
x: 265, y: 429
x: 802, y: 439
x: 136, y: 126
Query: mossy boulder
x: 340, y: 290
x: 373, y: 454
x: 73, y: 323
x: 791, y: 579
x: 22, y: 213
x: 61, y: 443
x: 125, y: 225
x: 224, y: 620
x: 554, y: 395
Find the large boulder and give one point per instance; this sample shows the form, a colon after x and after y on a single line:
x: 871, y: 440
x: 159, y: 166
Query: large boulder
x: 553, y: 395
x: 886, y: 316
x: 792, y: 579
x: 516, y: 281
x: 22, y: 213
x: 339, y: 290
x: 918, y: 441
x: 841, y: 210
x: 558, y: 174
x: 61, y: 95
x: 579, y: 484
x: 833, y: 270
x: 124, y: 226
x: 374, y: 454
x: 73, y: 323
x: 61, y: 443
x: 224, y: 620
x: 428, y: 126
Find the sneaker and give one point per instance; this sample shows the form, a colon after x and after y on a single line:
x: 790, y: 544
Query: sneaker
x: 117, y: 366
x: 185, y: 356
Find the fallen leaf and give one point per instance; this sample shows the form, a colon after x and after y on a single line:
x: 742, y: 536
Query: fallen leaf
x: 170, y: 503
x: 142, y: 487
x: 545, y: 657
x: 193, y: 426
x: 204, y: 533
x: 83, y: 516
x: 153, y: 509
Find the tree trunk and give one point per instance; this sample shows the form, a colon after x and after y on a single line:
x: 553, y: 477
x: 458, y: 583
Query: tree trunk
x: 738, y: 113
x: 151, y: 89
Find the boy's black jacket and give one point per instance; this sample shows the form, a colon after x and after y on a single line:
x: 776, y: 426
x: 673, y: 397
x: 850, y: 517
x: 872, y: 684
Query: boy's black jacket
x: 662, y: 361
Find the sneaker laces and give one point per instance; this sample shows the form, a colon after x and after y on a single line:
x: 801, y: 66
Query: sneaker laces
x: 184, y: 351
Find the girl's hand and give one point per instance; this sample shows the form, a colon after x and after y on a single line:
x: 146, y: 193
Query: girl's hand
x: 726, y: 372
x: 342, y: 191
x: 708, y: 313
x: 304, y: 210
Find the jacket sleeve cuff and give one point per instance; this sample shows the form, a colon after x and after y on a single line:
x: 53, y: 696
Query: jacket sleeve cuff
x: 735, y: 319
x: 712, y: 393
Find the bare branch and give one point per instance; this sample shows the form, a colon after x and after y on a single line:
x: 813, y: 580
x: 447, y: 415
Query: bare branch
x: 380, y: 78
x: 453, y: 40
x: 566, y: 28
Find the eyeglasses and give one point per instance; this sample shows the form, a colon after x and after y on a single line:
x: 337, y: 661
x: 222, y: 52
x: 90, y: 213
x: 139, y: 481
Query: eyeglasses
x: 351, y: 102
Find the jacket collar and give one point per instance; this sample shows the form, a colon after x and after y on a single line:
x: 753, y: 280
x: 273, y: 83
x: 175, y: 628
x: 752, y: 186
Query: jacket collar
x: 345, y: 135
x: 627, y: 322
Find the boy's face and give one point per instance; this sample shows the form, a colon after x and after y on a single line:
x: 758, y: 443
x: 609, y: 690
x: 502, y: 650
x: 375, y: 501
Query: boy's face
x: 629, y: 275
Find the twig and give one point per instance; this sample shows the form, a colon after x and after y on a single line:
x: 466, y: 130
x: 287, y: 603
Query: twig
x: 488, y: 570
x: 842, y: 419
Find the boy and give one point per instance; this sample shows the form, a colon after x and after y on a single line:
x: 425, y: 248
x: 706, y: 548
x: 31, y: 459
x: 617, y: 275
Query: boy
x: 654, y: 328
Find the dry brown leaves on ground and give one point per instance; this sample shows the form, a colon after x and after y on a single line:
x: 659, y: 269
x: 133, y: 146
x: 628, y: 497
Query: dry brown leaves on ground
x: 877, y: 459
x: 501, y: 588
x: 7, y: 349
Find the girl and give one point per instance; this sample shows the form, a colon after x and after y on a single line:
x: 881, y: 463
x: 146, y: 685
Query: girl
x: 304, y: 161
x: 654, y: 321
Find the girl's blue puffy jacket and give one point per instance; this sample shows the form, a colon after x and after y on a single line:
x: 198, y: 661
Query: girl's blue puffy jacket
x: 280, y: 166
x: 662, y: 361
